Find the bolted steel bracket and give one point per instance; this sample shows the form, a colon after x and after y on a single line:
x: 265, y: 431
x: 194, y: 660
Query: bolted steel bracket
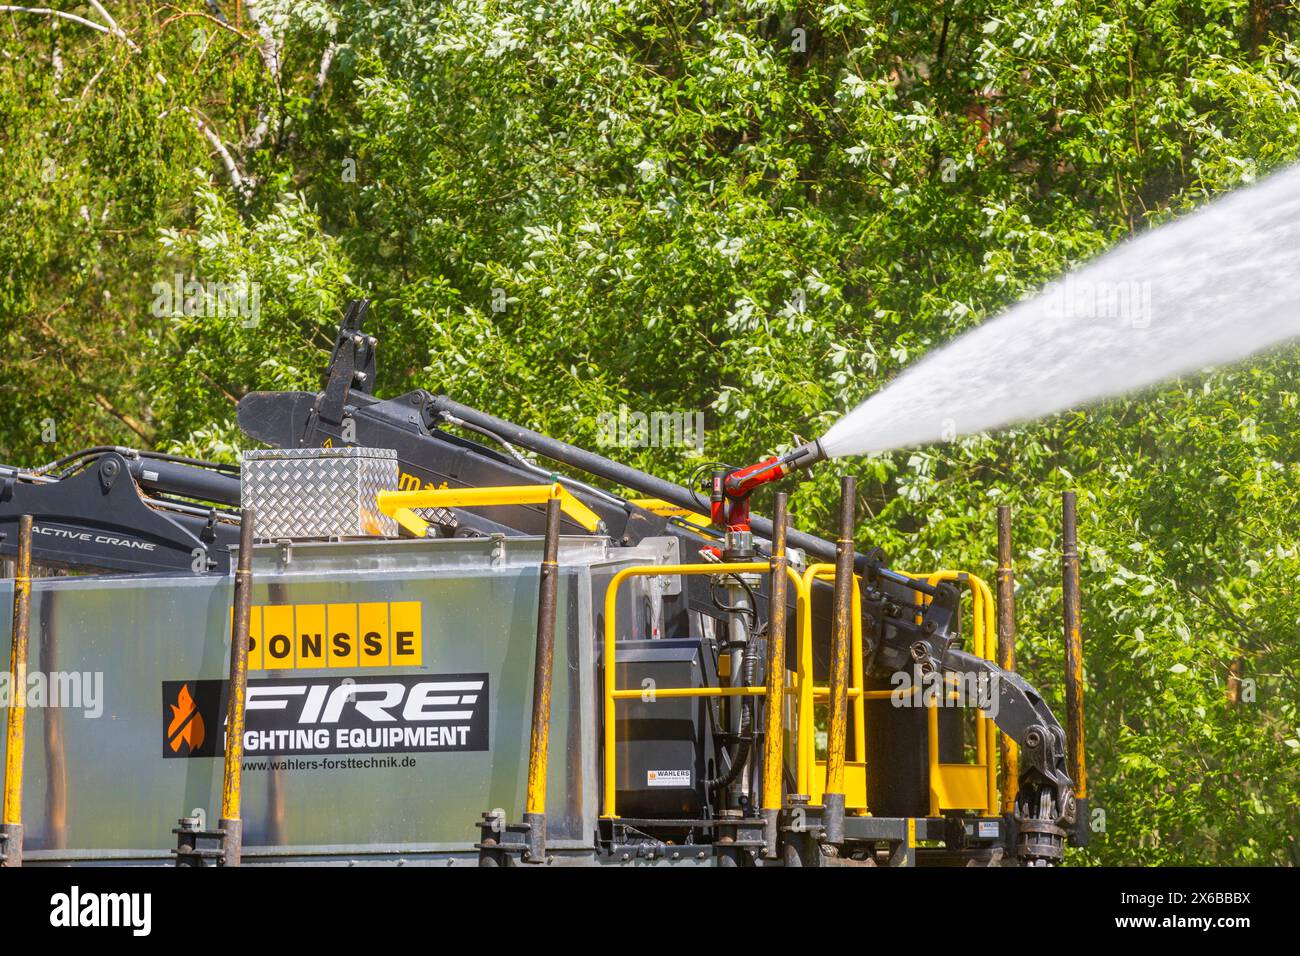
x: 501, y: 843
x: 771, y: 833
x: 11, y: 844
x: 535, y: 837
x: 196, y: 846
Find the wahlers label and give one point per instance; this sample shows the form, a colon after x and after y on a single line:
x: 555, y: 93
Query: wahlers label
x: 331, y: 715
x: 668, y: 778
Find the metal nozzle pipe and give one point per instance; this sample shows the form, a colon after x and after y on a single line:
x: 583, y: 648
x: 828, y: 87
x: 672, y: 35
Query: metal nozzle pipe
x: 773, y: 740
x: 805, y: 455
x: 233, y: 771
x: 1007, y: 651
x: 837, y: 730
x: 743, y: 481
x: 15, y: 740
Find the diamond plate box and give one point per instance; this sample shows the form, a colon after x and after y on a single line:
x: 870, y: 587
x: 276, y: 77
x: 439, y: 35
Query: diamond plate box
x: 319, y: 492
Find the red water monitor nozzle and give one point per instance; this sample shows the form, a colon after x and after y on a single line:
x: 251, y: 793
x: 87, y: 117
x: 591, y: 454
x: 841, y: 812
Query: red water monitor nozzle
x: 731, y: 489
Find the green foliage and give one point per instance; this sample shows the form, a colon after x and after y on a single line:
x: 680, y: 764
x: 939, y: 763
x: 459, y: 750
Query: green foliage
x: 760, y: 212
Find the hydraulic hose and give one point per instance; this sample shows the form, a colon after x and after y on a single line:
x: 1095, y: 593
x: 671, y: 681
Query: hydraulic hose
x: 639, y: 481
x: 745, y: 733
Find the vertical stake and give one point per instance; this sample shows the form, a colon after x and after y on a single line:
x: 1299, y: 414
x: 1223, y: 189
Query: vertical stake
x: 1006, y: 584
x: 833, y: 800
x: 1070, y: 602
x: 12, y: 826
x: 539, y: 739
x: 232, y: 778
x: 773, y: 740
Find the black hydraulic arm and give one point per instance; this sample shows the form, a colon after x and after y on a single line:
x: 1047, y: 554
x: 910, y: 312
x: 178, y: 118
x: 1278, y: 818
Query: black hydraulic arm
x: 1046, y: 809
x: 101, y: 517
x: 429, y: 456
x: 412, y: 424
x: 619, y: 474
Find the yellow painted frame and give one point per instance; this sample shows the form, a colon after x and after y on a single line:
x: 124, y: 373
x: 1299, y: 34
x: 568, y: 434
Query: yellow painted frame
x: 952, y: 786
x: 613, y: 693
x: 968, y: 786
x: 398, y: 505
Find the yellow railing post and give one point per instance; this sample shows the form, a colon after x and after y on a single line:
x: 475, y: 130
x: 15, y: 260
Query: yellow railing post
x: 932, y: 750
x: 989, y: 726
x: 804, y: 748
x: 399, y: 505
x: 807, y: 691
x: 983, y: 645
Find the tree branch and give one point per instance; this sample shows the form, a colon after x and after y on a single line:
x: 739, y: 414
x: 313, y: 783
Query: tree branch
x: 237, y: 179
x: 206, y: 16
x: 46, y: 11
x: 141, y: 429
x: 242, y: 184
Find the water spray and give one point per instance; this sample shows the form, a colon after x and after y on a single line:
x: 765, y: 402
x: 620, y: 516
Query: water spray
x: 1208, y: 289
x: 1203, y: 291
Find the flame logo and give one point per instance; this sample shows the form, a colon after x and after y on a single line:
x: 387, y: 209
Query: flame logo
x: 186, y: 726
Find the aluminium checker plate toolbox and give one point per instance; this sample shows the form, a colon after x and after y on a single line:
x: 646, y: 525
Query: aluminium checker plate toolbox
x: 319, y: 492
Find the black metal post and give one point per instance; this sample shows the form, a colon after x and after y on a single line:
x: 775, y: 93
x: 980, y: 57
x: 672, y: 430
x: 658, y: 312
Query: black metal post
x: 1071, y: 606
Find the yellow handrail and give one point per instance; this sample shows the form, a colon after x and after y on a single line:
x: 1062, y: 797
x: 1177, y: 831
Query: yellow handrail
x: 984, y: 625
x: 398, y: 504
x: 805, y: 748
x: 613, y: 693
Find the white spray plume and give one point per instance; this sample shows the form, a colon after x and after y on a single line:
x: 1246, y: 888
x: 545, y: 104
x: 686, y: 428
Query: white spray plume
x: 1207, y: 289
